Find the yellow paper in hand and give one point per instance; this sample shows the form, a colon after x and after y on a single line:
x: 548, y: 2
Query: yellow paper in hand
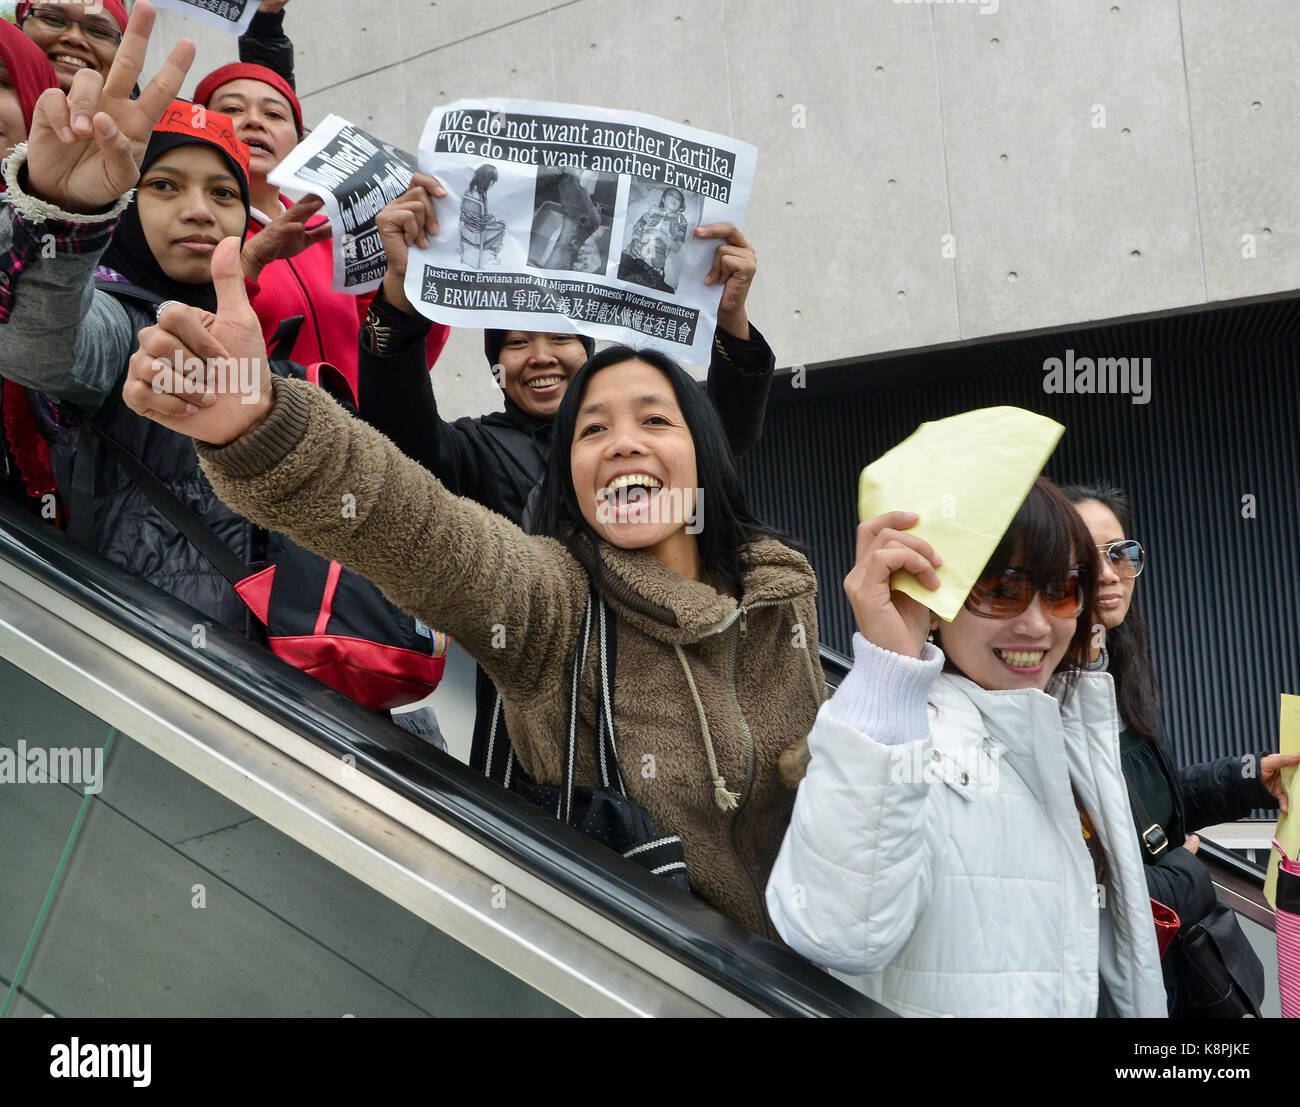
x: 966, y: 476
x: 1288, y: 826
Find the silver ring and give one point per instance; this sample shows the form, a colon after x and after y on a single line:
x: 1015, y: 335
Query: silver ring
x: 157, y: 312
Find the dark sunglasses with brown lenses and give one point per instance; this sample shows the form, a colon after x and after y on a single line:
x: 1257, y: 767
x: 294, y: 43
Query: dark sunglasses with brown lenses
x: 1009, y: 594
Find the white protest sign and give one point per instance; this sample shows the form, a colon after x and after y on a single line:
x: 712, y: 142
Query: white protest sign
x: 577, y: 219
x: 232, y: 16
x: 355, y: 174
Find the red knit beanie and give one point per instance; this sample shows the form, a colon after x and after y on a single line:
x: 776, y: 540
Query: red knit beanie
x: 115, y: 8
x: 243, y: 70
x: 184, y: 118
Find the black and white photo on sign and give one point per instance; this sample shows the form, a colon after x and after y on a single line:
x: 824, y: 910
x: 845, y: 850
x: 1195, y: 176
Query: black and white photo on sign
x: 573, y: 218
x: 493, y: 209
x: 578, y: 218
x: 657, y: 226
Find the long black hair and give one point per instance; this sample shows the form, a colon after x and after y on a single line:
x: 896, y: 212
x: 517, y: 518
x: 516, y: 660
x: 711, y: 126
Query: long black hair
x: 731, y: 525
x: 1136, y: 687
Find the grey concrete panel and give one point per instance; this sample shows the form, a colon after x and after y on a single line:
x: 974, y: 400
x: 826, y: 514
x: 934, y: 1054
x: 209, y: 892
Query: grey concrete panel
x: 333, y: 40
x: 424, y: 966
x: 462, y: 379
x: 849, y: 210
x: 1245, y: 99
x: 214, y: 47
x: 26, y: 1008
x: 123, y: 940
x: 664, y: 59
x: 34, y: 713
x: 513, y: 61
x: 375, y: 102
x: 1093, y: 221
x: 337, y: 40
x: 139, y: 783
x: 431, y: 24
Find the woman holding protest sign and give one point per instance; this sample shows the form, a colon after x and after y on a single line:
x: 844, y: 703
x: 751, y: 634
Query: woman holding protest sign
x: 288, y: 251
x: 716, y: 663
x: 499, y: 459
x: 963, y: 834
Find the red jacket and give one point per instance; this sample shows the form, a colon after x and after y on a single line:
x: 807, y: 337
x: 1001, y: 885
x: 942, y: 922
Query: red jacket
x: 331, y: 320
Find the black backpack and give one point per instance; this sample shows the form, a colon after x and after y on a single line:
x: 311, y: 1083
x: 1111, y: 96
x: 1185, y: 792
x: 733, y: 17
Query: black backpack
x: 319, y: 617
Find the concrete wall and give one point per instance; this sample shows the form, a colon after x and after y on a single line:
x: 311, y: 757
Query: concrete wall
x: 1090, y: 159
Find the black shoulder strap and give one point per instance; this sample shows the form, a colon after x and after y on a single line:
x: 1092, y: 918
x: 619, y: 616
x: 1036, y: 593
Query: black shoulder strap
x: 1151, y: 834
x: 500, y: 753
x: 610, y: 774
x: 124, y: 290
x: 179, y: 514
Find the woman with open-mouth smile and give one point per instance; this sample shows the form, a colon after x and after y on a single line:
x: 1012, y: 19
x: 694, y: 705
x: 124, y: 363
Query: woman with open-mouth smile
x: 717, y: 671
x: 964, y: 815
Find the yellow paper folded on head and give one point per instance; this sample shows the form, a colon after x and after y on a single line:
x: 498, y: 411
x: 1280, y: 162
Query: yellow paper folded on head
x: 966, y: 476
x: 1288, y: 826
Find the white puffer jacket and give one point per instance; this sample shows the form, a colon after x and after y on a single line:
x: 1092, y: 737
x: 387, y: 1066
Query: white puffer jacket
x: 952, y: 869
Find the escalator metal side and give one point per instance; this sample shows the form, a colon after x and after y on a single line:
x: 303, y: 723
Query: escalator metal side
x: 576, y: 956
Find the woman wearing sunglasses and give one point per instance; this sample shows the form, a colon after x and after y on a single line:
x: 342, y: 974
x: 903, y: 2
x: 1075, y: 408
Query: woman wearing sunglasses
x: 963, y: 835
x: 1167, y: 802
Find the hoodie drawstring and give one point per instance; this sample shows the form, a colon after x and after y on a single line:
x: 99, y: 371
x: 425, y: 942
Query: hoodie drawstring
x: 726, y: 801
x: 818, y: 689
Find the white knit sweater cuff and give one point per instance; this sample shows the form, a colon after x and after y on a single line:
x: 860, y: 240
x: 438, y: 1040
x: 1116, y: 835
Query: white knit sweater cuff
x: 37, y: 211
x: 884, y: 695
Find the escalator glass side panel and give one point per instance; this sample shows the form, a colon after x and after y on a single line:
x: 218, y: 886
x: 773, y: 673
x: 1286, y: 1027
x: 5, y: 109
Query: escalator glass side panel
x: 171, y: 900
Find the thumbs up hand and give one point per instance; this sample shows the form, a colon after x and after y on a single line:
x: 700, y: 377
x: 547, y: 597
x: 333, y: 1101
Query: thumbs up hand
x: 204, y: 375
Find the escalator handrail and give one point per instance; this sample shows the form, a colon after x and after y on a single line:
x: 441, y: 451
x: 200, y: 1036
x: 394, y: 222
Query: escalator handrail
x: 1240, y: 884
x: 773, y: 979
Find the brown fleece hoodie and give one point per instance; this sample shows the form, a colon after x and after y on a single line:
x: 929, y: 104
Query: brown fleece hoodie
x: 695, y: 670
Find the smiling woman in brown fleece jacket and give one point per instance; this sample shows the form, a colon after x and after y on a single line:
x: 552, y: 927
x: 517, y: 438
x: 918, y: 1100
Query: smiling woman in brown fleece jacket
x: 717, y: 670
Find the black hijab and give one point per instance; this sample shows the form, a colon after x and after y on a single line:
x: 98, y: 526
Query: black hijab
x: 128, y: 253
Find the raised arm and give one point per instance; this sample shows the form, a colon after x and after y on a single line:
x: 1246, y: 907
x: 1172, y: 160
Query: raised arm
x: 61, y: 338
x: 290, y: 459
x: 741, y: 365
x: 66, y: 189
x: 395, y: 391
x: 265, y: 43
x: 856, y: 869
x: 1229, y: 788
